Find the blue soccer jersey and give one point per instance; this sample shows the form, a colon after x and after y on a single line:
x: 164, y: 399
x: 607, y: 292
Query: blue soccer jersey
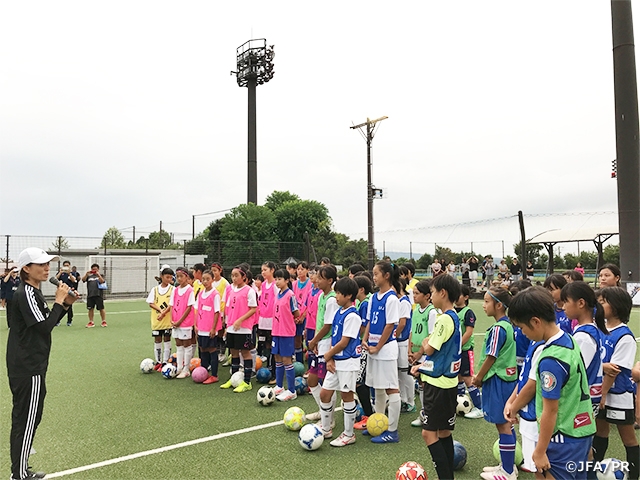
x: 378, y: 318
x: 562, y: 321
x: 528, y: 412
x: 406, y: 331
x: 591, y: 348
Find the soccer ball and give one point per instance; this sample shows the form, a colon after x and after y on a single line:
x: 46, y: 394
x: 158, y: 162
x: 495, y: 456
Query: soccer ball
x: 237, y: 378
x: 464, y: 404
x: 169, y: 371
x: 199, y: 374
x: 496, y: 452
x: 263, y: 375
x: 610, y: 469
x: 310, y: 437
x: 459, y: 455
x: 294, y: 418
x: 258, y: 363
x: 265, y: 396
x: 195, y: 363
x: 301, y: 386
x: 377, y: 424
x: 173, y: 359
x: 298, y: 367
x: 146, y: 365
x: 411, y: 471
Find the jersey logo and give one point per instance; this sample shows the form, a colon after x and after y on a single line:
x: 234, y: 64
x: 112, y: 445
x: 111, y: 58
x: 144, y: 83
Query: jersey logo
x: 359, y: 349
x: 455, y: 366
x: 595, y: 390
x: 581, y: 420
x: 548, y: 381
x: 512, y: 371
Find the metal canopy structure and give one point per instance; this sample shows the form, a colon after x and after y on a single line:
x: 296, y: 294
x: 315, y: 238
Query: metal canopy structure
x: 597, y: 235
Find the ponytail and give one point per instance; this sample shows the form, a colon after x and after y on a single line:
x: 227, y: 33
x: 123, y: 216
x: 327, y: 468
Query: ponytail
x: 394, y: 274
x: 581, y: 290
x: 599, y: 318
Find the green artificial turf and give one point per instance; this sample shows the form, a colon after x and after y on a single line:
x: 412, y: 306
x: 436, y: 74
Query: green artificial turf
x: 99, y: 406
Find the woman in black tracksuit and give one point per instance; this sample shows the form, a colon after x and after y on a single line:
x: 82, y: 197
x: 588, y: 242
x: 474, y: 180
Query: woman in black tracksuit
x: 28, y: 348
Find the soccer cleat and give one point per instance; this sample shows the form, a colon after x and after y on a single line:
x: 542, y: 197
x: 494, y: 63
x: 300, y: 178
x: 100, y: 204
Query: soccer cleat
x: 243, y: 387
x: 362, y: 424
x: 90, y: 325
x: 272, y: 381
x: 184, y: 373
x: 103, y: 324
x: 328, y: 434
x: 500, y: 474
x: 278, y: 390
x: 227, y: 362
x: 157, y: 367
x: 497, y: 468
x: 286, y: 396
x: 210, y: 380
x: 343, y: 440
x: 313, y: 417
x: 387, y: 437
x: 68, y: 324
x: 333, y: 424
x: 407, y: 408
x: 226, y: 384
x: 475, y: 412
x: 417, y: 422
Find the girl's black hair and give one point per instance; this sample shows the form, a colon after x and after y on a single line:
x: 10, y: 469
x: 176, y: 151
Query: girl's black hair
x: 501, y: 294
x: 532, y: 302
x: 614, y: 269
x: 403, y: 270
x: 183, y: 270
x: 423, y: 286
x: 328, y: 272
x: 465, y: 291
x: 520, y: 285
x: 556, y: 280
x: 282, y: 273
x: 168, y: 271
x: 206, y: 271
x: 449, y: 284
x: 243, y: 272
x: 260, y: 277
x: 199, y: 267
x: 363, y: 282
x: 403, y: 287
x: 411, y: 267
x: 574, y: 275
x: 581, y: 290
x: 619, y: 300
x: 270, y: 265
x: 355, y: 268
x: 303, y: 264
x: 347, y: 286
x: 249, y: 277
x: 394, y: 274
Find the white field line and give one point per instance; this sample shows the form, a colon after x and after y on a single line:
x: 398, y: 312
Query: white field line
x: 168, y: 448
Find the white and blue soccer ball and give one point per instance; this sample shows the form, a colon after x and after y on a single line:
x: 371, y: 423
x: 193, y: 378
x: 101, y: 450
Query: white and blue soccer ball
x: 266, y: 396
x: 611, y: 469
x: 146, y: 365
x: 169, y: 371
x: 310, y: 437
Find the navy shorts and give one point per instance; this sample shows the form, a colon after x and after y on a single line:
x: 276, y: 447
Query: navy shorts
x: 96, y: 302
x: 311, y: 332
x: 568, y: 452
x: 300, y: 328
x: 283, y: 346
x: 240, y: 341
x: 161, y: 333
x: 495, y: 393
x: 205, y: 341
x: 466, y: 363
x: 619, y: 416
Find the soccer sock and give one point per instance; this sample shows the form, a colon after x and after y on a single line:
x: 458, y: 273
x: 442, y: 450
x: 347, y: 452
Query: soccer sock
x: 394, y: 411
x: 247, y: 370
x: 381, y: 400
x: 254, y: 355
x: 407, y: 383
x: 440, y: 460
x: 205, y: 359
x: 167, y: 351
x: 298, y: 352
x: 447, y: 443
x: 365, y: 401
x: 315, y: 393
x: 158, y: 351
x: 476, y: 397
x: 599, y: 446
x: 235, y: 364
x: 214, y: 363
x: 179, y: 358
x: 291, y: 377
x: 194, y: 348
x: 326, y: 409
x: 350, y: 412
x: 279, y: 374
x: 633, y: 454
x: 188, y: 355
x: 507, y: 445
x: 461, y: 388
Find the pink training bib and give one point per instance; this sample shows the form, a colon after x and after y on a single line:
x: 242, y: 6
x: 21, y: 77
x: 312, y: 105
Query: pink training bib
x: 180, y: 305
x: 267, y: 299
x: 312, y: 309
x: 237, y: 305
x: 206, y: 312
x: 302, y: 294
x: 284, y: 324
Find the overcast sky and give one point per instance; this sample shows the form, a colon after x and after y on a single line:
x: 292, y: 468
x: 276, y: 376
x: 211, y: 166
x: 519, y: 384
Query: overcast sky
x: 124, y: 113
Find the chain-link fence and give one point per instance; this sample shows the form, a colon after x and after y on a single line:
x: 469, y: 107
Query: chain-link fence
x: 131, y: 272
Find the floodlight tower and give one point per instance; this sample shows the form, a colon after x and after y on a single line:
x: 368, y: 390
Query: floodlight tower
x: 372, y: 192
x: 255, y: 67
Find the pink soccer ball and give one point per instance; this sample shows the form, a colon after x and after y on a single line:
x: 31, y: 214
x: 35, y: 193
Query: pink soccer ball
x: 199, y: 374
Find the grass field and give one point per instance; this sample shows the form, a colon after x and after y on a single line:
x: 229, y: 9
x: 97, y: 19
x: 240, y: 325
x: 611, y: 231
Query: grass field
x: 100, y: 407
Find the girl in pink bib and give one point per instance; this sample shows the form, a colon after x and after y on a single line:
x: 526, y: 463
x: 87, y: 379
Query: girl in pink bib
x: 182, y: 320
x: 209, y: 326
x: 285, y: 315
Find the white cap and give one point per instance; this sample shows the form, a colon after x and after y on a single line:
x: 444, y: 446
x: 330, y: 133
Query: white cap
x: 164, y: 266
x: 34, y: 255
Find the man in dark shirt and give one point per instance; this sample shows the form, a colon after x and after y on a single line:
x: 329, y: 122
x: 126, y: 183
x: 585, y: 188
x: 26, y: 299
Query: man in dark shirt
x: 93, y: 279
x: 65, y: 275
x: 516, y: 270
x: 10, y: 284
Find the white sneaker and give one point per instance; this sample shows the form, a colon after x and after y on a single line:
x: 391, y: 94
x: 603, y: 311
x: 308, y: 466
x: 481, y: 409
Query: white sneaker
x: 184, y: 373
x: 343, y: 440
x: 474, y: 413
x: 319, y: 424
x: 286, y: 396
x: 497, y: 468
x: 328, y: 434
x: 278, y: 390
x: 417, y: 422
x: 313, y: 417
x: 499, y: 474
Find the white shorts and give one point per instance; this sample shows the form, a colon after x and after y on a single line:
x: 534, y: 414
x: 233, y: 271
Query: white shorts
x: 403, y: 354
x: 181, y: 333
x: 382, y: 374
x: 341, y: 381
x: 265, y: 323
x: 529, y: 429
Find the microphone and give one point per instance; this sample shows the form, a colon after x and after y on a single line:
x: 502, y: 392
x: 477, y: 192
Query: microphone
x: 56, y: 282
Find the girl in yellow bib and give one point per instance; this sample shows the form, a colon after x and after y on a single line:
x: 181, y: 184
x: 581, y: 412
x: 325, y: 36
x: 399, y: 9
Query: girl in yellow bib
x: 158, y: 300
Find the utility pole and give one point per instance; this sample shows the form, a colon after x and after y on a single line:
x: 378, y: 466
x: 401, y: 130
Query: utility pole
x: 372, y: 192
x: 627, y: 146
